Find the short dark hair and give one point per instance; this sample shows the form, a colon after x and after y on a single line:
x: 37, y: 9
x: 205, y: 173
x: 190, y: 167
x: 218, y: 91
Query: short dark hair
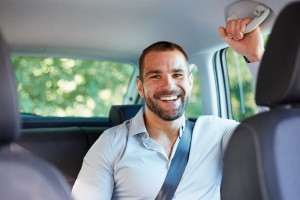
x: 159, y: 46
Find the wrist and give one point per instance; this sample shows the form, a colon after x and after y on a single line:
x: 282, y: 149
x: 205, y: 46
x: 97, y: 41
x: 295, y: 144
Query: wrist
x: 250, y: 59
x: 254, y: 57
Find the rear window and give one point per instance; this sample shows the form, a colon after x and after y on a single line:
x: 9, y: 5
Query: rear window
x: 70, y: 87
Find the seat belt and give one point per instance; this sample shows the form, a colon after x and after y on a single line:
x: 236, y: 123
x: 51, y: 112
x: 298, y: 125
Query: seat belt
x: 178, y: 164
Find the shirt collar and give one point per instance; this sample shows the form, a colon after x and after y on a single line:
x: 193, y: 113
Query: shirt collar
x: 138, y: 124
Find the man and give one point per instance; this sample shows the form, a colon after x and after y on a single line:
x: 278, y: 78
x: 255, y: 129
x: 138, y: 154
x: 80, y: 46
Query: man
x: 130, y: 161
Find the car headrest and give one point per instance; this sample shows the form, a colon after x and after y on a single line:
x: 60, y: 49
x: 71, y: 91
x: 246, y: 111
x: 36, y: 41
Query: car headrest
x: 9, y: 115
x: 120, y: 113
x: 278, y: 82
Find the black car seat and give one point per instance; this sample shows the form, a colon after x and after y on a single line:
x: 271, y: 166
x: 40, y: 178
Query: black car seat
x: 262, y: 159
x: 22, y: 176
x: 120, y: 113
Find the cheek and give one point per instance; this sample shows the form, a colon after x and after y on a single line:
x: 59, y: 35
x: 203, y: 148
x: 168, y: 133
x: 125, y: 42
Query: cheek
x: 148, y: 90
x: 187, y: 87
x: 144, y: 90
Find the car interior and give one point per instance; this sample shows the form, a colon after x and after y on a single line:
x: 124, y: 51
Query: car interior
x: 261, y: 160
x: 32, y: 177
x: 50, y: 142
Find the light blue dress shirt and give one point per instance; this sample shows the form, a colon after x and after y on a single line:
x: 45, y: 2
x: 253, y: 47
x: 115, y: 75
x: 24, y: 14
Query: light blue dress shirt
x: 125, y: 163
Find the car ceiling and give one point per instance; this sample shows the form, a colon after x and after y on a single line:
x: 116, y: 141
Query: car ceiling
x: 116, y: 30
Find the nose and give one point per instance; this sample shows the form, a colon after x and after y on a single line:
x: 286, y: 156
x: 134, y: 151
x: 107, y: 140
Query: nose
x: 168, y: 82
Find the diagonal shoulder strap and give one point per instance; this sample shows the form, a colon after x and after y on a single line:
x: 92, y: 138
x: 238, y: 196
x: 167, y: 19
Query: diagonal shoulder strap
x: 178, y: 164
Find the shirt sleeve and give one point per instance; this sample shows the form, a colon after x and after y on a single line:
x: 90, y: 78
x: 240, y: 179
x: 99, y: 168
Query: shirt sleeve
x: 95, y: 179
x: 254, y: 67
x: 227, y: 128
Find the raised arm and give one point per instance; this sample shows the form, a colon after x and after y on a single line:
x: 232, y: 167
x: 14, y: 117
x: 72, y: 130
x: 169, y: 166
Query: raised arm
x: 250, y: 45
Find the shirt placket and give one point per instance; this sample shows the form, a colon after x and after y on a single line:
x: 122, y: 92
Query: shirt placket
x: 155, y: 146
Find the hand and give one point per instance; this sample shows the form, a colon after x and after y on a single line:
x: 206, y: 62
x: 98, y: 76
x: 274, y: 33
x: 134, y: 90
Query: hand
x: 250, y: 45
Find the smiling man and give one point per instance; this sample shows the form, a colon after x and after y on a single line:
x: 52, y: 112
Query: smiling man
x: 131, y: 161
x: 165, y: 82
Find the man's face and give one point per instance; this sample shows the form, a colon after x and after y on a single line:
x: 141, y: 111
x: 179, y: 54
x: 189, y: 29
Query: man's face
x: 167, y: 83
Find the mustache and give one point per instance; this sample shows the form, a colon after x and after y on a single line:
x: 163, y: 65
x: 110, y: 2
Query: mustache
x: 174, y: 92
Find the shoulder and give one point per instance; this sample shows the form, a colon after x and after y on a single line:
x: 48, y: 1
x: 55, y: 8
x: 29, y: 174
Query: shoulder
x: 214, y: 123
x: 110, y: 142
x: 116, y: 131
x: 215, y: 120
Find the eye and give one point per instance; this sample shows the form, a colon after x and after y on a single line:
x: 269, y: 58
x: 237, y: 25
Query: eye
x: 177, y: 75
x: 155, y: 77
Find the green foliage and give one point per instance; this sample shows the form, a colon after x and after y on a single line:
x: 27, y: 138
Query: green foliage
x: 194, y: 108
x: 68, y: 87
x: 241, y: 86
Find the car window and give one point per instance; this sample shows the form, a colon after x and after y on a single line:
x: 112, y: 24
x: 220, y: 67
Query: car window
x: 194, y: 108
x: 241, y: 86
x: 70, y: 87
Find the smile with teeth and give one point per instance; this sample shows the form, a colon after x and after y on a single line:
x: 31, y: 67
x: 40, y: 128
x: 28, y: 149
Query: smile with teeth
x: 170, y: 98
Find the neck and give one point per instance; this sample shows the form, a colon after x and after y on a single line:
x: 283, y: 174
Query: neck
x: 157, y: 127
x: 162, y: 131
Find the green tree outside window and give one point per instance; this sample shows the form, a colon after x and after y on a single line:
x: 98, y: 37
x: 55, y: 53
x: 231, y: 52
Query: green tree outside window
x: 70, y: 87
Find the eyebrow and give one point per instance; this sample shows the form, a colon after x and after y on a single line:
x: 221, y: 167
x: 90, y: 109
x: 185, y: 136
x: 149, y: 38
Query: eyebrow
x: 152, y: 72
x: 156, y: 71
x: 178, y: 70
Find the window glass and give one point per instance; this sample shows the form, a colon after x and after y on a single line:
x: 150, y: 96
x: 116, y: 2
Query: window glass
x: 194, y: 108
x: 70, y: 87
x: 241, y: 86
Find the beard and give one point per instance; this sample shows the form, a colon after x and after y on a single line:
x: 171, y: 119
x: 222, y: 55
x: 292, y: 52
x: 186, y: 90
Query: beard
x: 166, y: 114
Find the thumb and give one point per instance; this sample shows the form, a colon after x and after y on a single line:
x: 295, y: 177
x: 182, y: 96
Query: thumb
x: 222, y: 32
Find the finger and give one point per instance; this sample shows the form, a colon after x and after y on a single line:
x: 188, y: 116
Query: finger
x: 238, y: 34
x: 244, y: 23
x: 230, y: 28
x: 247, y: 20
x: 222, y: 32
x: 223, y: 35
x: 237, y: 26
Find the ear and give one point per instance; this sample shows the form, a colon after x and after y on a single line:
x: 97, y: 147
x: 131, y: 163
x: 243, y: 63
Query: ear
x: 191, y: 80
x: 139, y: 85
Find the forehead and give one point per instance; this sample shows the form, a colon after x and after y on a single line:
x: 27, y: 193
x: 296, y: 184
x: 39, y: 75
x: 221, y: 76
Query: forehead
x: 164, y: 59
